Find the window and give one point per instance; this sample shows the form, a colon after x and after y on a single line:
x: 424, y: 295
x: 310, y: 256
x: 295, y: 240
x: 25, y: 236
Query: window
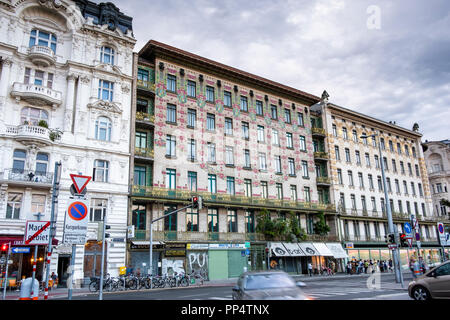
x: 402, y: 167
x: 287, y: 115
x: 192, y: 118
x: 399, y: 148
x: 353, y: 201
x: 388, y: 182
x: 213, y: 220
x: 171, y: 83
x: 170, y: 221
x: 414, y: 152
x: 340, y: 180
x: 259, y: 108
x: 342, y: 201
x: 380, y: 184
x: 41, y: 163
x: 277, y: 164
x: 192, y: 150
x: 37, y: 204
x: 105, y: 90
x: 305, y: 173
x: 420, y: 190
x: 230, y: 185
x: 171, y: 115
x: 291, y: 162
x: 424, y: 213
x: 302, y: 143
x: 363, y: 203
x: 347, y: 155
x: 248, y: 187
x: 410, y: 169
x: 19, y: 157
x: 417, y: 170
x: 397, y: 186
x: 249, y: 221
x: 103, y: 129
x: 210, y: 122
x: 107, y: 55
x: 209, y: 94
x: 32, y: 116
x: 191, y: 220
x: 350, y: 178
x: 262, y: 161
x: 374, y: 142
x: 245, y: 130
x: 338, y: 156
x: 383, y: 147
x: 211, y: 148
x: 171, y: 146
x: 344, y: 133
x: 264, y: 189
x: 293, y: 192
x: 370, y: 181
x: 232, y: 220
x: 247, y: 163
x: 300, y: 120
x: 394, y: 166
x: 42, y: 38
x: 385, y: 164
x: 408, y: 207
x: 406, y: 150
x: 227, y: 99
x: 364, y: 139
x: 335, y: 130
x: 361, y: 180
x: 377, y: 162
x: 142, y: 75
x: 212, y: 183
x: 27, y: 76
x: 140, y: 141
x: 374, y: 204
x: 101, y: 171
x: 355, y: 136
x: 307, y: 194
x: 192, y: 180
x: 289, y: 142
x: 39, y: 78
x: 405, y: 187
x: 228, y: 126
x: 367, y: 157
x: 171, y: 175
x: 413, y: 189
x: 13, y: 206
x: 191, y: 89
x: 391, y: 146
x: 260, y: 134
x: 279, y: 187
x: 140, y: 173
x: 275, y: 138
x: 229, y: 155
x: 400, y: 206
x: 273, y: 112
x: 142, y: 105
x: 358, y: 157
x: 244, y: 104
x: 49, y: 80
x: 98, y: 209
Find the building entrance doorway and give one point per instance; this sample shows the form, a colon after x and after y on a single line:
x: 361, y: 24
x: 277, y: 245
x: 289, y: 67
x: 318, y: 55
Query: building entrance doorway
x: 93, y: 259
x: 63, y: 270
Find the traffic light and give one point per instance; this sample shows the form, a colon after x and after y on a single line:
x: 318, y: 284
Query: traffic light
x: 107, y: 235
x: 390, y: 238
x: 403, y: 241
x: 5, y: 247
x: 197, y: 202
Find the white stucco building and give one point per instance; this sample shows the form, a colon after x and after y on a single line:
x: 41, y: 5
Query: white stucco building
x: 65, y: 95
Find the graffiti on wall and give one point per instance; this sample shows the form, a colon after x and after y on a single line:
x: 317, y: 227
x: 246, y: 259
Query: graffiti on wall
x: 170, y: 266
x: 197, y: 262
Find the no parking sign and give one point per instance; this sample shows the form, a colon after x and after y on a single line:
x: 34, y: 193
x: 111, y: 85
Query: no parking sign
x: 76, y: 222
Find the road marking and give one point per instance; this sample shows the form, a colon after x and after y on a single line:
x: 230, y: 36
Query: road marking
x: 382, y: 296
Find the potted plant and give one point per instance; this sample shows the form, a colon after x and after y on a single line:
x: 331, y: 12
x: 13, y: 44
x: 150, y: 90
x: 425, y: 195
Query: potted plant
x: 43, y: 123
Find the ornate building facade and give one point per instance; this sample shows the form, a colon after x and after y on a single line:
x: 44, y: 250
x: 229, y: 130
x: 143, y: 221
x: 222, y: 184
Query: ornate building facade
x: 66, y: 79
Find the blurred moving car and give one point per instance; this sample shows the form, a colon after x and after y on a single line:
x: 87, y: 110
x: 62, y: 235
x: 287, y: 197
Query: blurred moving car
x: 434, y: 284
x: 268, y: 285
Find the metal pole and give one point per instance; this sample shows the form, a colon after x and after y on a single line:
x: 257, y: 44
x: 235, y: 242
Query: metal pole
x: 52, y: 226
x: 100, y: 295
x: 72, y: 270
x: 150, y: 268
x: 34, y: 270
x: 6, y: 272
x: 397, y: 267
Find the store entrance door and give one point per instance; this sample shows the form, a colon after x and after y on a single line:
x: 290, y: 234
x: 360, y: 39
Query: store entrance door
x: 63, y: 270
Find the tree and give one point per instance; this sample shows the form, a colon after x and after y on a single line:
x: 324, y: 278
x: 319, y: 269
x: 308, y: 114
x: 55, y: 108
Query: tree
x: 297, y: 233
x: 280, y: 228
x: 321, y: 227
x: 445, y: 202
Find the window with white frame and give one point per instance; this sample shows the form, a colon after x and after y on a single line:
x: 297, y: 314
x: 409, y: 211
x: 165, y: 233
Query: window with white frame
x: 103, y: 128
x: 41, y: 163
x: 261, y: 134
x: 171, y: 146
x: 19, y: 157
x: 262, y: 161
x: 31, y: 116
x: 275, y: 138
x: 38, y: 204
x: 211, y: 149
x: 101, y: 171
x: 229, y: 155
x: 107, y: 55
x: 105, y: 90
x: 14, y: 205
x: 98, y: 209
x: 42, y: 38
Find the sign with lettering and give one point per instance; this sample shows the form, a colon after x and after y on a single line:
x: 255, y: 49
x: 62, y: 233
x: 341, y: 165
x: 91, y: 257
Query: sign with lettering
x: 76, y: 222
x: 37, y: 232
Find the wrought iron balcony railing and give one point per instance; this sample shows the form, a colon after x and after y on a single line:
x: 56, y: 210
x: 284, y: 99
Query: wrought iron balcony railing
x: 144, y: 152
x: 29, y: 176
x: 145, y: 117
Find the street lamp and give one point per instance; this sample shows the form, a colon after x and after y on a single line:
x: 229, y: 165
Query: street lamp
x: 397, y: 266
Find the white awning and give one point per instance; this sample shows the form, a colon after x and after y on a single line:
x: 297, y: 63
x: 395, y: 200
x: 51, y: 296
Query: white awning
x: 279, y: 250
x: 323, y: 249
x: 308, y: 249
x: 337, y: 250
x: 293, y: 249
x: 145, y: 243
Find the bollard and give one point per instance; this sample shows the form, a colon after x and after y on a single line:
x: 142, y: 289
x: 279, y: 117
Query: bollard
x: 417, y: 269
x: 25, y: 289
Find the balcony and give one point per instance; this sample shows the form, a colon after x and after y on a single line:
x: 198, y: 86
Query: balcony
x: 27, y: 177
x: 318, y: 132
x: 36, y: 95
x: 145, y: 153
x: 226, y: 199
x: 30, y: 135
x: 323, y: 181
x: 320, y: 155
x: 145, y: 117
x: 197, y: 236
x: 42, y: 56
x: 146, y: 85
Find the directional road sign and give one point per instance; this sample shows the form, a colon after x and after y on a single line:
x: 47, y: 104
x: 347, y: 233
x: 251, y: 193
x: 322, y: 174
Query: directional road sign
x: 80, y: 182
x: 408, y: 229
x: 20, y: 250
x: 37, y: 232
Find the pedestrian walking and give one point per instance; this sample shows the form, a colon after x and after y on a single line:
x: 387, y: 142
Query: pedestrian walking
x: 411, y: 267
x: 366, y: 266
x: 310, y: 269
x: 390, y: 265
x: 349, y: 268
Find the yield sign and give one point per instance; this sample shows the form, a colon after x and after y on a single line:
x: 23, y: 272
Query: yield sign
x: 80, y: 182
x: 409, y: 242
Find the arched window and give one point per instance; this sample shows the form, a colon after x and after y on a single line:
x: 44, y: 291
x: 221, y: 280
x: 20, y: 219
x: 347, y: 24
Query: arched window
x: 32, y: 116
x: 107, y: 55
x: 103, y: 129
x: 42, y: 38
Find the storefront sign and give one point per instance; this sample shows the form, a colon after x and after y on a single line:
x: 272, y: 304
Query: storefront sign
x: 175, y: 250
x: 279, y: 250
x: 308, y: 249
x: 349, y: 245
x: 227, y: 246
x: 293, y: 249
x: 197, y: 246
x: 145, y: 245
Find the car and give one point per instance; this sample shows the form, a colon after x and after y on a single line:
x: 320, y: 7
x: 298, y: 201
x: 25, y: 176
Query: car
x: 434, y: 284
x: 268, y: 285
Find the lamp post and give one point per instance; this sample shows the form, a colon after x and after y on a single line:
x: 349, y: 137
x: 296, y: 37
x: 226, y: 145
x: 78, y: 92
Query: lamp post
x: 395, y: 252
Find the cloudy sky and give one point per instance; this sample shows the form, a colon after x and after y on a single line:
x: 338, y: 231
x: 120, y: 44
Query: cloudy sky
x: 389, y: 60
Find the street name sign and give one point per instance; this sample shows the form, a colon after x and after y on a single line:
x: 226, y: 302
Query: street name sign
x: 37, y: 232
x: 76, y: 222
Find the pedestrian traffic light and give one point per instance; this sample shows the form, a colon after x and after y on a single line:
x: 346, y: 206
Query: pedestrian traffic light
x: 403, y: 241
x: 107, y: 235
x: 5, y: 247
x: 390, y: 238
